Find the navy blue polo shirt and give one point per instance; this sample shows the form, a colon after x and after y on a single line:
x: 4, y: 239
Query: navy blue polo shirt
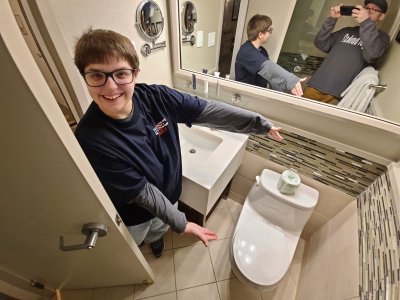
x: 248, y: 62
x: 126, y: 154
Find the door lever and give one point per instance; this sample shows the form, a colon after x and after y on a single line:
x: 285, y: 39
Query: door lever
x: 92, y: 232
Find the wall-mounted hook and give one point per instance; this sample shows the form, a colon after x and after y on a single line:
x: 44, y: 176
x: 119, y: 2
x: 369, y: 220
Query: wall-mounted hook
x: 92, y: 231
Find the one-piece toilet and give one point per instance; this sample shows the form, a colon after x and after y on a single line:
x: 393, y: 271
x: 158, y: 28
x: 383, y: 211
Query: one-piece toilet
x: 268, y: 230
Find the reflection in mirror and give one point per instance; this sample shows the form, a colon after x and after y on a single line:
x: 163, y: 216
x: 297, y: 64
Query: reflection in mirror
x: 206, y: 33
x: 149, y: 20
x: 295, y: 25
x: 188, y: 18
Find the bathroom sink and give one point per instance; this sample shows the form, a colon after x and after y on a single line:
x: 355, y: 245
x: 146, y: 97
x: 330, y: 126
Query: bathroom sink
x: 210, y: 158
x: 194, y: 140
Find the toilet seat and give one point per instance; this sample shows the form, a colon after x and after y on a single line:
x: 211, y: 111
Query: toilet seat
x: 261, y: 253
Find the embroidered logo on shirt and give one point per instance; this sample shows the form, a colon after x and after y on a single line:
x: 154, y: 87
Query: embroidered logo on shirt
x: 161, y: 127
x: 352, y: 40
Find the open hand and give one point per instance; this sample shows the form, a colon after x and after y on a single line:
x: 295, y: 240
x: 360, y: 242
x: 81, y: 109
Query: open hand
x: 335, y: 11
x: 297, y: 90
x: 274, y: 133
x: 202, y: 233
x: 360, y: 14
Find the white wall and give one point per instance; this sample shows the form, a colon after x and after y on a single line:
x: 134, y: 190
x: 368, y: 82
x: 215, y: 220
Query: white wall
x: 71, y: 18
x: 280, y: 12
x: 208, y: 20
x: 387, y: 103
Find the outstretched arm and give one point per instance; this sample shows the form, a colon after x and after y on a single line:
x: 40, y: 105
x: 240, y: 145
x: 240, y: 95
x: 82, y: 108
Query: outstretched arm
x: 223, y: 116
x: 280, y: 79
x: 154, y: 201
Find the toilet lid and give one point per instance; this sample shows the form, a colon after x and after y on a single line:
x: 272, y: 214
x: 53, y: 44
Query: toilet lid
x: 260, y: 252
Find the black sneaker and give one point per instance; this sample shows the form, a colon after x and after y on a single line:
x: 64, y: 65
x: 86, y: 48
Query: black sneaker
x: 158, y: 247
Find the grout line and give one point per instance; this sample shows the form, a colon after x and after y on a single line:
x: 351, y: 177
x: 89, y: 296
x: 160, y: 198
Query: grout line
x: 152, y: 297
x: 173, y: 261
x: 213, y: 267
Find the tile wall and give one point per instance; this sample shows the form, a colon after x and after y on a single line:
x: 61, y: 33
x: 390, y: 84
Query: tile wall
x: 379, y: 242
x: 347, y: 172
x: 294, y: 62
x: 330, y: 262
x: 378, y: 225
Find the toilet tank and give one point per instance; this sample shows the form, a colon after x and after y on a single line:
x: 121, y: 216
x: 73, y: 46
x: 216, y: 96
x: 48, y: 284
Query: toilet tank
x: 290, y: 212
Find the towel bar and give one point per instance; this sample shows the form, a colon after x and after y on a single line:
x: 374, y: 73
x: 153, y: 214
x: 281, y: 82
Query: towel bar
x: 377, y: 86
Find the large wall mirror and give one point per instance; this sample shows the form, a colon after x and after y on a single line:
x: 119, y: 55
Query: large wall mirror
x: 295, y: 25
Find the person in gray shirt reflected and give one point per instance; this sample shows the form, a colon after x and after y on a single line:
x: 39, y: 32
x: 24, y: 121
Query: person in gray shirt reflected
x: 349, y: 49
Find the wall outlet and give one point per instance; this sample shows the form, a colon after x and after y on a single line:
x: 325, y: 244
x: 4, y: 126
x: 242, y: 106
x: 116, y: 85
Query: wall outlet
x: 211, y: 39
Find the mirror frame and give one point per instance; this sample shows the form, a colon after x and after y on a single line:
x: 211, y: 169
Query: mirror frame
x: 185, y: 31
x: 339, y: 127
x: 139, y: 25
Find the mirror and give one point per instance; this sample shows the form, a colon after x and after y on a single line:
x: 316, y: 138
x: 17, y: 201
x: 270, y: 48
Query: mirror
x: 291, y: 45
x: 188, y: 18
x: 149, y: 20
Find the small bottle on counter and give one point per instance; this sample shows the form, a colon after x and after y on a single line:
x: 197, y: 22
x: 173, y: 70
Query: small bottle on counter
x: 193, y: 81
x: 205, y: 71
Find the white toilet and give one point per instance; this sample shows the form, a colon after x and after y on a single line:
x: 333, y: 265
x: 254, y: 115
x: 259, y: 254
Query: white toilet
x: 268, y: 230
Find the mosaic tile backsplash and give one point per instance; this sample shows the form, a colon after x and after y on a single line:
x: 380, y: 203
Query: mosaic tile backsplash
x: 379, y: 231
x: 379, y: 242
x: 304, y: 65
x: 347, y: 172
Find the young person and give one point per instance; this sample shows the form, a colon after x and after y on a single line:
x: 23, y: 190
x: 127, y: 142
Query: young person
x: 252, y: 63
x: 130, y: 136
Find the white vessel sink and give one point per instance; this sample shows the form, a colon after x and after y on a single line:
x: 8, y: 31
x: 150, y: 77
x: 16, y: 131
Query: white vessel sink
x: 210, y: 158
x: 195, y: 140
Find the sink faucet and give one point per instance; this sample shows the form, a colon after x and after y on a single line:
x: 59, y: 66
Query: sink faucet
x: 187, y: 84
x: 190, y: 83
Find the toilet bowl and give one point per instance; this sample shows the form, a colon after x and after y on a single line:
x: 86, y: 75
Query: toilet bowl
x: 268, y: 230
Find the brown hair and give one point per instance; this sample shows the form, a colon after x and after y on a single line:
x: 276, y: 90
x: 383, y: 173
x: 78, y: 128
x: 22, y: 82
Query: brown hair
x: 96, y: 46
x: 257, y: 24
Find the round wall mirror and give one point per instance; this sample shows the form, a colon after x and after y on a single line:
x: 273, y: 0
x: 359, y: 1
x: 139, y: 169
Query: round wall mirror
x: 188, y: 17
x: 149, y: 19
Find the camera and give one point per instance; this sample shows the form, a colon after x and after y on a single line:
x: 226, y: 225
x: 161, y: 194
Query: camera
x: 346, y: 10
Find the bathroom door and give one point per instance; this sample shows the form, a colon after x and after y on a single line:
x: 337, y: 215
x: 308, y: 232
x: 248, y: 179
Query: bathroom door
x: 48, y: 188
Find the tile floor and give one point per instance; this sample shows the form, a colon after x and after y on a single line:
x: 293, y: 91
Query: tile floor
x: 190, y: 271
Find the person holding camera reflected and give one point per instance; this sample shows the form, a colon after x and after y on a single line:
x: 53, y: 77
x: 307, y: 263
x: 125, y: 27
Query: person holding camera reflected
x: 349, y: 49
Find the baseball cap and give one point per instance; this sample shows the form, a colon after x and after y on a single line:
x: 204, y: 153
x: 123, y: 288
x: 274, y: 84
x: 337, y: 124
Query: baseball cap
x: 382, y: 4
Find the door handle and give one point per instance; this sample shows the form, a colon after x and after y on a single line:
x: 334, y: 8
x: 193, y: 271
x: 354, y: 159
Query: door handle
x: 92, y: 232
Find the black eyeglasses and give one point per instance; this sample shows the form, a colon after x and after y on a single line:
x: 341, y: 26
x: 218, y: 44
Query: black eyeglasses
x: 372, y: 10
x: 120, y: 77
x: 269, y: 30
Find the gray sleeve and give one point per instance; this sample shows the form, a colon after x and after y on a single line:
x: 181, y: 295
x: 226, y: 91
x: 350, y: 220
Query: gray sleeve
x: 375, y: 42
x: 223, y: 116
x: 324, y: 39
x: 278, y: 77
x: 154, y: 201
